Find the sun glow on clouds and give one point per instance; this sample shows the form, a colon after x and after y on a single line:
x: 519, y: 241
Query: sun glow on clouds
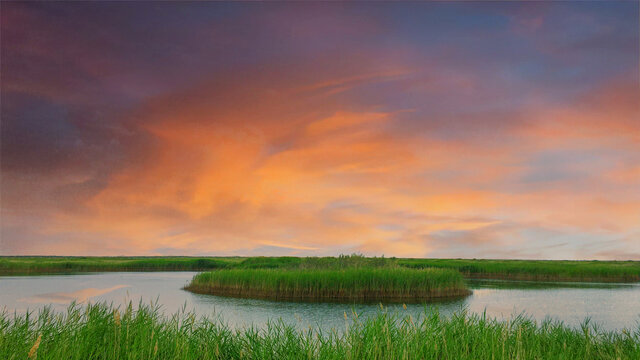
x: 348, y: 145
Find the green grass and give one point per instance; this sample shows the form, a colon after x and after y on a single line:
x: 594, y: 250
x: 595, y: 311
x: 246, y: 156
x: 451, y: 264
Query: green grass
x: 30, y: 265
x: 545, y: 270
x: 341, y: 285
x: 19, y: 265
x: 540, y: 270
x: 327, y: 262
x: 103, y: 332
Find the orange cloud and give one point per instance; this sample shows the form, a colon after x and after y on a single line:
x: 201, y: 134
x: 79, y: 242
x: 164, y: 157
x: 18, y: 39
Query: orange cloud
x: 387, y: 149
x: 224, y: 178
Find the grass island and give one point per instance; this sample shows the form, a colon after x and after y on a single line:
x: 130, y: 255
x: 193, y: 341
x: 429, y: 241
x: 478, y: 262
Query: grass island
x: 333, y: 285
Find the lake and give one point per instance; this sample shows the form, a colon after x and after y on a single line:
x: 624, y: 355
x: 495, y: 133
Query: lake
x: 611, y: 306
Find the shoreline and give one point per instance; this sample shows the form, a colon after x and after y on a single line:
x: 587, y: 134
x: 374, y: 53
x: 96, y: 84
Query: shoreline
x: 367, y: 297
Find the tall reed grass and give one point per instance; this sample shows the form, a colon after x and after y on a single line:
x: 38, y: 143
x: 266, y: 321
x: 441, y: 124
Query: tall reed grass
x: 104, y: 332
x: 349, y: 284
x: 29, y: 265
x: 541, y: 270
x: 546, y: 270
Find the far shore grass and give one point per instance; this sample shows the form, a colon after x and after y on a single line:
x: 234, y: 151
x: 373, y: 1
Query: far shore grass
x: 105, y: 332
x: 389, y: 284
x: 34, y: 265
x: 535, y: 270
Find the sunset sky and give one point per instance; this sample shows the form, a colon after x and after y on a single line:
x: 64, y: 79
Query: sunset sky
x: 470, y: 129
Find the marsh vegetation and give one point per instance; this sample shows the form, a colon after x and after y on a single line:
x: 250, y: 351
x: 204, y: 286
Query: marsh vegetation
x: 32, y: 265
x: 106, y: 332
x: 534, y: 270
x: 388, y: 284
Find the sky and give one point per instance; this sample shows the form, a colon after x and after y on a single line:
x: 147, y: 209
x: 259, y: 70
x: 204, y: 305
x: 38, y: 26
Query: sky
x: 458, y: 130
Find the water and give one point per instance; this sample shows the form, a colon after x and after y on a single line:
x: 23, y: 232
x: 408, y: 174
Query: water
x: 611, y: 306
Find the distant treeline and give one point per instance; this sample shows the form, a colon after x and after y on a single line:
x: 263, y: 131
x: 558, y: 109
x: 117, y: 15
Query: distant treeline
x: 538, y: 270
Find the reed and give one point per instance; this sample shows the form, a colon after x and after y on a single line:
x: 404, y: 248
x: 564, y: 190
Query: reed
x: 104, y: 332
x: 390, y: 284
x: 537, y: 270
x: 541, y: 270
x: 30, y: 265
x: 326, y: 262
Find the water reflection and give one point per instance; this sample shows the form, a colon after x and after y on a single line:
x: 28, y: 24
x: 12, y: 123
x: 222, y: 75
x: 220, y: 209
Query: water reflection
x: 79, y: 296
x: 524, y: 285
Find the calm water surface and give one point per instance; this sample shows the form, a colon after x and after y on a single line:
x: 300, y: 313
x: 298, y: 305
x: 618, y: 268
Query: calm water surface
x: 612, y: 306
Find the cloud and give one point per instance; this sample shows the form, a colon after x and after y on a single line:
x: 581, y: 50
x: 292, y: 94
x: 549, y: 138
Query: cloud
x: 258, y: 132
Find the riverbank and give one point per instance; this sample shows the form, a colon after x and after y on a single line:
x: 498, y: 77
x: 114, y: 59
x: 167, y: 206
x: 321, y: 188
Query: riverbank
x: 333, y: 285
x: 34, y: 265
x: 104, y: 332
x: 533, y: 270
